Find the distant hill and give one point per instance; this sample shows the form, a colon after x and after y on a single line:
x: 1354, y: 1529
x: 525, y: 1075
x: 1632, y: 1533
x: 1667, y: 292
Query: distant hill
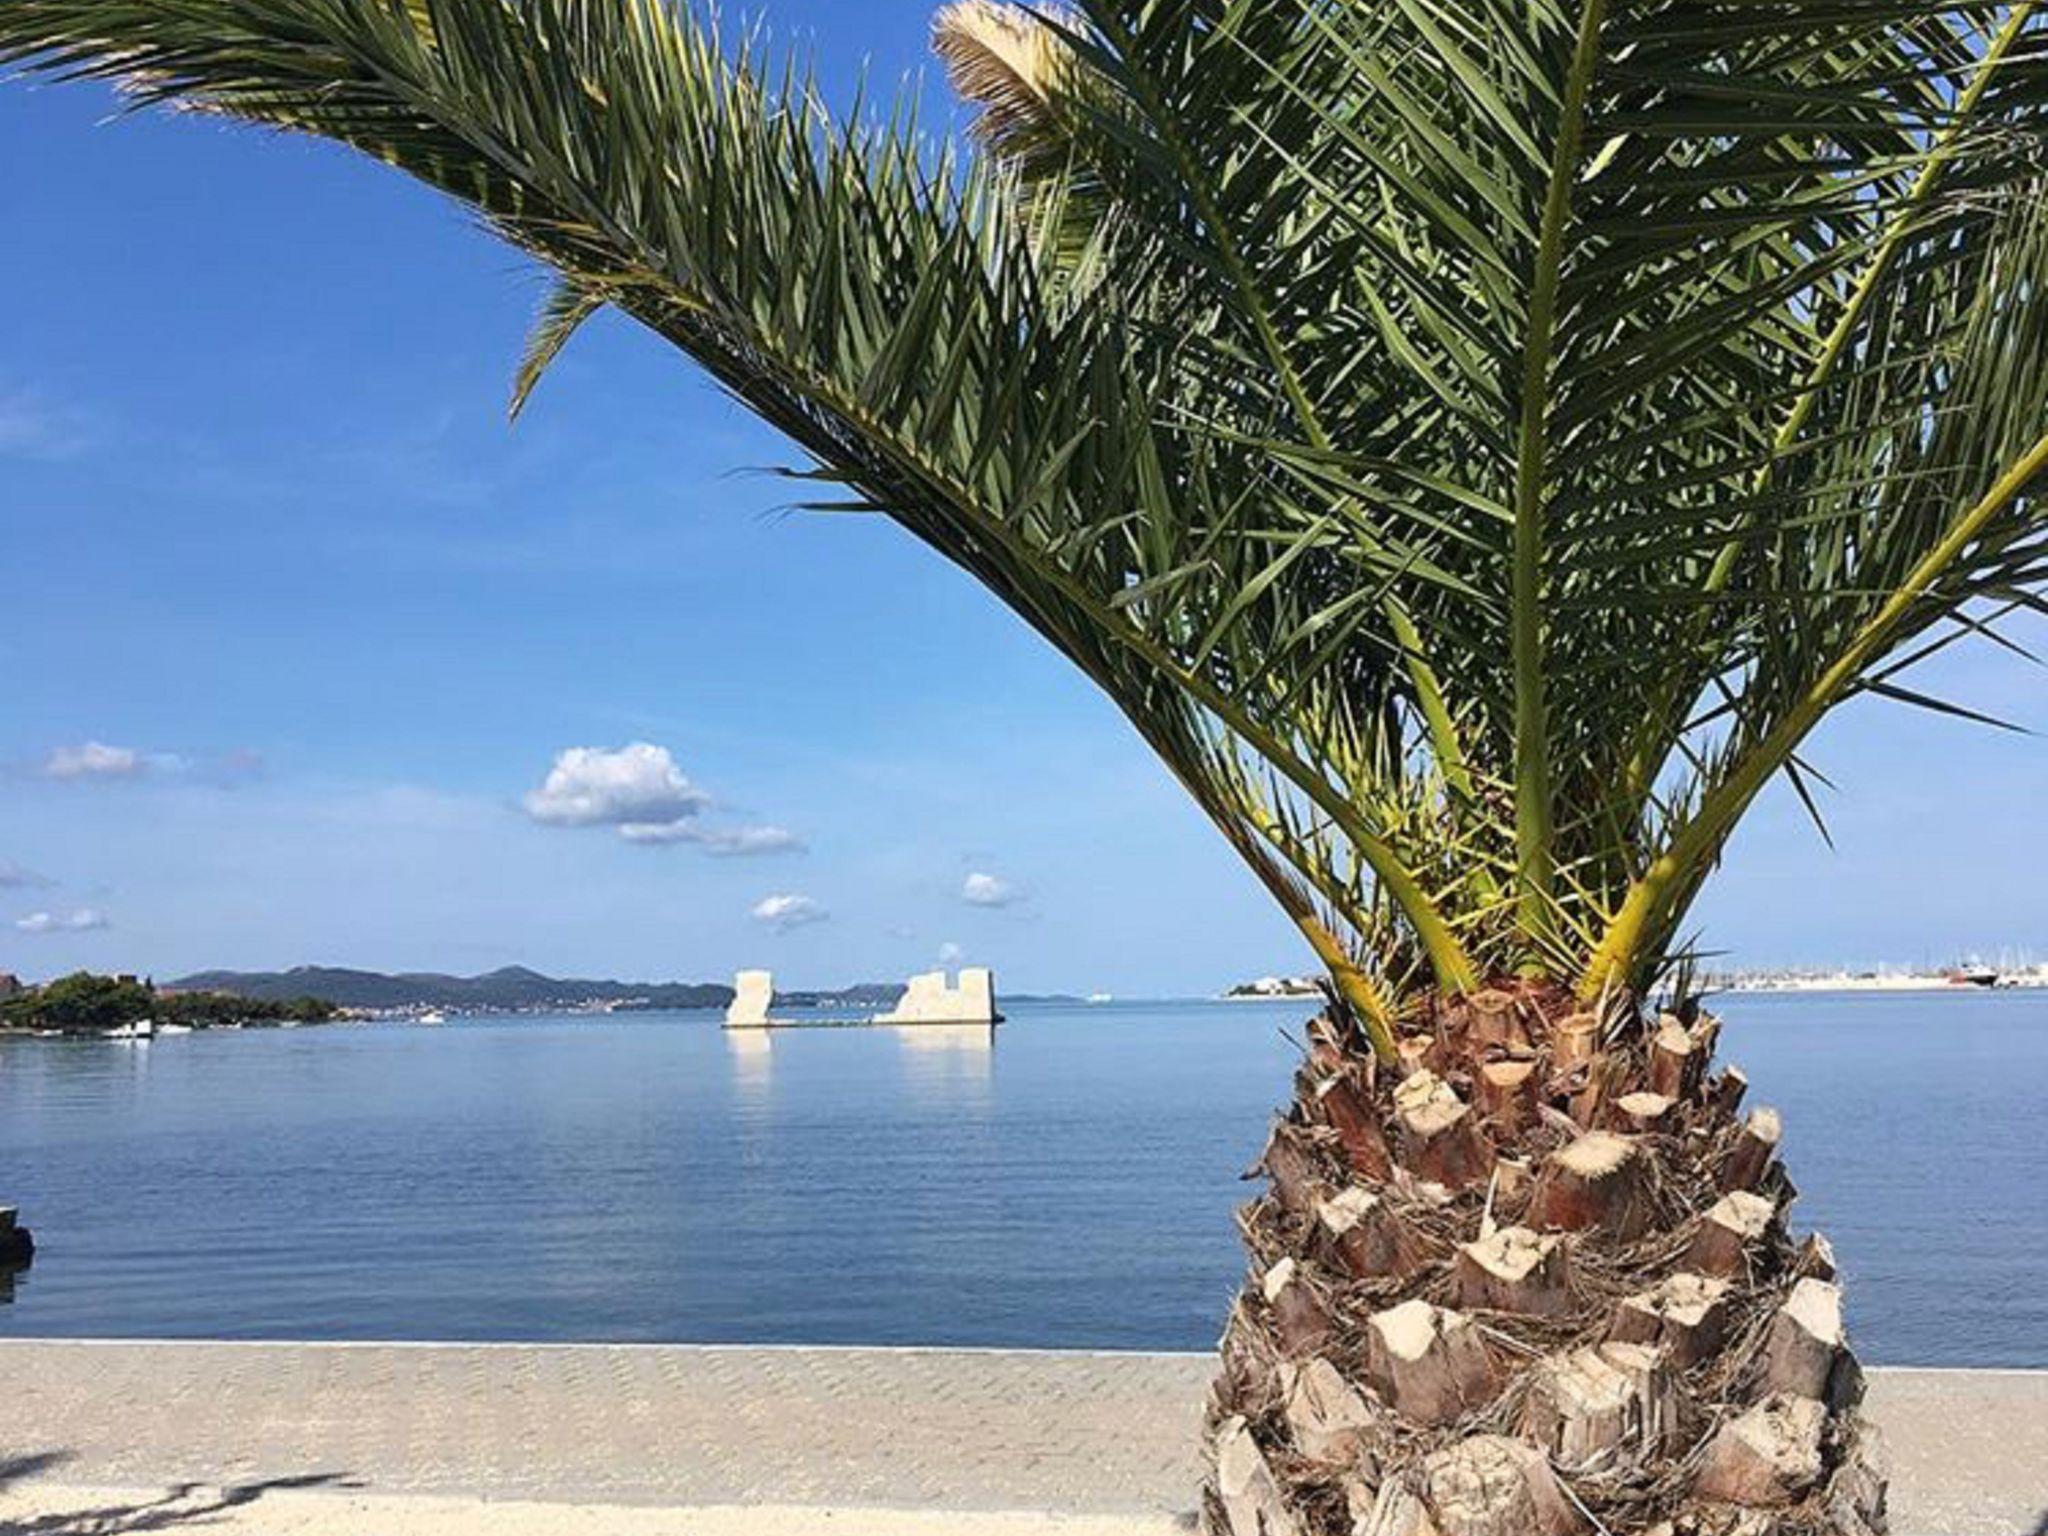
x: 512, y: 989
x: 519, y: 990
x: 866, y: 994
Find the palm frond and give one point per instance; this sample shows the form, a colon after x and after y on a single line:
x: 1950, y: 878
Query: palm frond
x: 1472, y: 442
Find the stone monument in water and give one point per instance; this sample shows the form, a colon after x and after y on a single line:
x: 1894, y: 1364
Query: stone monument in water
x: 928, y: 1000
x: 752, y: 992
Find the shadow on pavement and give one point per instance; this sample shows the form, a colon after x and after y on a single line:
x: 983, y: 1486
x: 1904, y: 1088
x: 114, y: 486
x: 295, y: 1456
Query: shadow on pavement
x: 14, y: 1468
x: 181, y: 1505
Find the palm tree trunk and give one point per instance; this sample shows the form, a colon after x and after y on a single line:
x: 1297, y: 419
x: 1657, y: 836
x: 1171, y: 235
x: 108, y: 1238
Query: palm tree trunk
x: 1533, y: 1281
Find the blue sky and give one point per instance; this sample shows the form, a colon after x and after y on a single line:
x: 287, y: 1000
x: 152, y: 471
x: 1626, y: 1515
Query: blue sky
x: 269, y: 539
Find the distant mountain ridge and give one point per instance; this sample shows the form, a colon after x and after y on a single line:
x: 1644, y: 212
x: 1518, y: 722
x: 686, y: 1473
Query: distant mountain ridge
x: 512, y: 988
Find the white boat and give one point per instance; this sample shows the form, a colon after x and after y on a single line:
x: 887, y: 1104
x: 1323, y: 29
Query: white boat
x: 1100, y: 997
x: 141, y: 1029
x: 433, y: 1016
x: 174, y: 1029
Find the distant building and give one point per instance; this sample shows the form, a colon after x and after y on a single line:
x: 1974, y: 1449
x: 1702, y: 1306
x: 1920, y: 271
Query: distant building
x: 10, y: 985
x: 1276, y: 986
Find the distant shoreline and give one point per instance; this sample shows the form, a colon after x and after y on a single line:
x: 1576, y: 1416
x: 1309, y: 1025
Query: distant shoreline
x: 1962, y: 980
x: 2028, y: 981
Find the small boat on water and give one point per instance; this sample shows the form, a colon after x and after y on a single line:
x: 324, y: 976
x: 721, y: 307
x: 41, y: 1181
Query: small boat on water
x: 432, y: 1016
x: 141, y: 1029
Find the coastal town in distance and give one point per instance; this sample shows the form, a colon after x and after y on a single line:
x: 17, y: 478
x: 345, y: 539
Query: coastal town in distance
x: 1967, y: 974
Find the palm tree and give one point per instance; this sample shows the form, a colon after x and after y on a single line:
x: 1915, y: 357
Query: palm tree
x: 1474, y: 444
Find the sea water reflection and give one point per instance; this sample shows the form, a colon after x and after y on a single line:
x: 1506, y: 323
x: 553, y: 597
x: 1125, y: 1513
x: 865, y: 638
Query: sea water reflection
x: 1066, y: 1180
x: 934, y: 1055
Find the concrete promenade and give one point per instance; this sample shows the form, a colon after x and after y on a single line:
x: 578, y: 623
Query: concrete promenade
x: 97, y: 1438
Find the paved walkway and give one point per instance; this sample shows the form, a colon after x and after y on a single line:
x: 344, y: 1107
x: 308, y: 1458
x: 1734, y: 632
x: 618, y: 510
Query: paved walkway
x: 1109, y: 1437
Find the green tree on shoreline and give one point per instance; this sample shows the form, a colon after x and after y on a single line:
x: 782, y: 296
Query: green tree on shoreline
x: 84, y: 1003
x: 1474, y: 445
x: 80, y: 1003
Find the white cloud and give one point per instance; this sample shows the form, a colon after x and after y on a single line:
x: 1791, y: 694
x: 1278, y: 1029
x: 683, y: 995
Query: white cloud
x: 637, y: 788
x: 786, y: 912
x: 658, y: 832
x: 640, y: 792
x: 84, y: 920
x: 951, y: 953
x: 95, y: 760
x: 983, y: 890
x: 14, y: 878
x: 724, y: 841
x: 745, y: 841
x: 88, y: 760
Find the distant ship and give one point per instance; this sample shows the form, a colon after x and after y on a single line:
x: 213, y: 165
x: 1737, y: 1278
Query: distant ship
x: 433, y: 1016
x: 1100, y: 997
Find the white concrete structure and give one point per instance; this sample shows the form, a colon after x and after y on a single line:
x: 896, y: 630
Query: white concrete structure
x: 752, y: 992
x: 928, y: 1000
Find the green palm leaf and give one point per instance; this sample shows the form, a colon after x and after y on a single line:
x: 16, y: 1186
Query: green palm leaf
x: 1473, y: 443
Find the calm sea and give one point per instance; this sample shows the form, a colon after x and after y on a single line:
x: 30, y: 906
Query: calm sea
x: 650, y: 1178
